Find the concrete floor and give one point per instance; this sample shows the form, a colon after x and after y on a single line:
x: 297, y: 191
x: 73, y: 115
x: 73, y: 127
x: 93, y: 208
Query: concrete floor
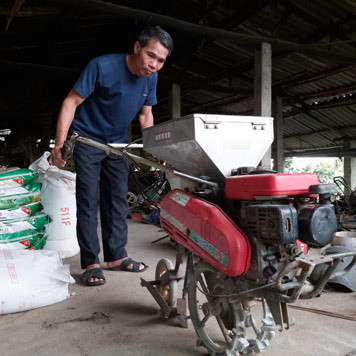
x: 121, y: 318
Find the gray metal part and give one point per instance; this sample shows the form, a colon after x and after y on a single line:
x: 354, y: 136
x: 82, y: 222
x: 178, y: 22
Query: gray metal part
x: 210, y: 145
x: 275, y: 308
x: 347, y: 279
x: 273, y: 224
x: 258, y: 263
x: 191, y: 159
x: 317, y: 224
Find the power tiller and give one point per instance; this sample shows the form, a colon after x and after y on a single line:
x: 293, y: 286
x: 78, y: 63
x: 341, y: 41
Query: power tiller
x: 242, y: 229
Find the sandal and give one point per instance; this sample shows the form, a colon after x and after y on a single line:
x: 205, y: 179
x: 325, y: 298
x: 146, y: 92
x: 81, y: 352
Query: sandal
x: 94, y: 273
x: 126, y: 263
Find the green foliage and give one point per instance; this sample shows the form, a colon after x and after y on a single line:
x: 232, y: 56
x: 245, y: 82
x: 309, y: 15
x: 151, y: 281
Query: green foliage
x: 288, y: 164
x: 326, y: 171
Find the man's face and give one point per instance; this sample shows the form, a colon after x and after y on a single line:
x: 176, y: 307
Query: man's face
x: 150, y: 59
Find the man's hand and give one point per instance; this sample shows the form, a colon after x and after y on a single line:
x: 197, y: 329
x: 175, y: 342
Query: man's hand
x: 65, y: 118
x: 56, y: 158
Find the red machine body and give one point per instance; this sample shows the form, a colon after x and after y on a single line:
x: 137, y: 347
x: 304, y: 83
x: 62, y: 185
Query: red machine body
x: 206, y: 230
x: 250, y: 187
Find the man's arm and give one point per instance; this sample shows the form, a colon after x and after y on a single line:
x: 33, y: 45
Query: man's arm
x: 145, y: 117
x: 65, y: 118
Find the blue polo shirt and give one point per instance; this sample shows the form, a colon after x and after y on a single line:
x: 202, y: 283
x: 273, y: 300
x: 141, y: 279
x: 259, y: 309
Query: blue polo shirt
x: 113, y: 97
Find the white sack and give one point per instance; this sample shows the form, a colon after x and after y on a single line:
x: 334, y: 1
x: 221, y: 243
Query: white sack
x: 32, y: 279
x: 58, y: 200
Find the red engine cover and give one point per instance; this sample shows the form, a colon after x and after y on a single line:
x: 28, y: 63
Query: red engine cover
x: 205, y: 229
x: 249, y: 187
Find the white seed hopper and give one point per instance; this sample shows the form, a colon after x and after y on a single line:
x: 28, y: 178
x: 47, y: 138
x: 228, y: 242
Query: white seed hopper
x: 210, y: 145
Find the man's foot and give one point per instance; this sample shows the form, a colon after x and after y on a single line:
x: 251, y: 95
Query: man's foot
x: 127, y: 264
x: 93, y: 276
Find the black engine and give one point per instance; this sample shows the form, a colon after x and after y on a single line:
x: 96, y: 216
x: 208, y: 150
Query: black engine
x: 276, y: 225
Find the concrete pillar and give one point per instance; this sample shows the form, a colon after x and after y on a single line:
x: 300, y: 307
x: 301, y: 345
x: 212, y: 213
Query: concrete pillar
x: 277, y: 146
x: 263, y: 88
x: 174, y: 101
x: 350, y: 167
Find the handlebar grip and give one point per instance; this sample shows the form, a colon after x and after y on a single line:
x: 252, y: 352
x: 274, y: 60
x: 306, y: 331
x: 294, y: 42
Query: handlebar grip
x: 67, y: 150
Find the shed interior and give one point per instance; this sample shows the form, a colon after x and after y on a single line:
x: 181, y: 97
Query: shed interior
x: 46, y: 43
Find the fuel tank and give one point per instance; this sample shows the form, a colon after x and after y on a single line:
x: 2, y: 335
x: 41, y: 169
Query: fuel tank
x: 264, y: 186
x: 205, y: 229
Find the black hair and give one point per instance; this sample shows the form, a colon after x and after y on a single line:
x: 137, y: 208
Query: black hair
x: 156, y: 33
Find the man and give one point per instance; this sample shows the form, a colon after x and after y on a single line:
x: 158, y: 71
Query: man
x: 108, y: 95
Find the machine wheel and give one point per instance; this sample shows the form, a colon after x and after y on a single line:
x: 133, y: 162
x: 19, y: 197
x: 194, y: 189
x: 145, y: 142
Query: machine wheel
x: 131, y: 199
x: 167, y: 291
x: 225, y: 326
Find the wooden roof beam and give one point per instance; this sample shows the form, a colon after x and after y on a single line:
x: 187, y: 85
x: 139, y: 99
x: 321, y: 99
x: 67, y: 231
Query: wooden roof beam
x: 201, y: 84
x: 244, y: 12
x: 304, y: 110
x: 329, y: 92
x: 231, y: 100
x: 241, y: 67
x: 208, y: 32
x: 323, y: 152
x: 15, y: 9
x: 314, y: 132
x: 328, y: 105
x: 43, y: 68
x: 335, y: 103
x: 307, y: 17
x: 316, y: 76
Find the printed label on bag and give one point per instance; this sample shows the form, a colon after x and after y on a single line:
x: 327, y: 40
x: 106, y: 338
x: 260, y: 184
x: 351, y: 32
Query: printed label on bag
x: 7, y: 254
x: 65, y: 216
x: 12, y: 273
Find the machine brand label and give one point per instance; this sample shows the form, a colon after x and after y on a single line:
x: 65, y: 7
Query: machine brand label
x: 165, y: 135
x: 180, y: 199
x: 209, y: 248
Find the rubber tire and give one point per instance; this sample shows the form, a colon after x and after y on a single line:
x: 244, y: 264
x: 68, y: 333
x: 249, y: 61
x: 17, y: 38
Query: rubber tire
x: 162, y: 266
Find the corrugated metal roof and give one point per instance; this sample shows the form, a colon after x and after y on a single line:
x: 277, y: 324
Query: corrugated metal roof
x: 216, y: 75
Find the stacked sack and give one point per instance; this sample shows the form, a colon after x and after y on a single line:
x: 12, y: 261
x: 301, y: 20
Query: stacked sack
x: 58, y: 199
x: 22, y: 221
x: 31, y: 279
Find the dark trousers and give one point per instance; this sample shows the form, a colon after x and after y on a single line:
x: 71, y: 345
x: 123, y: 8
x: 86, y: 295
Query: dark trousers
x: 108, y: 174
